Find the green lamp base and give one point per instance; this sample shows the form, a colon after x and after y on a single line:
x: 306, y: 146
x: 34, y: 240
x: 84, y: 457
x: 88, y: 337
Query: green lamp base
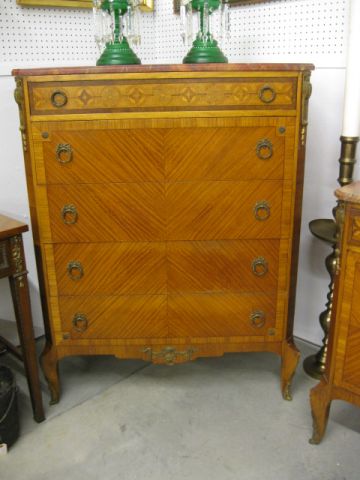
x: 205, y: 52
x: 118, y: 53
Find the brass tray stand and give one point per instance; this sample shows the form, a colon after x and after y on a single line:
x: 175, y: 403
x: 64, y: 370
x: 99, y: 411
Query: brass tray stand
x: 325, y: 230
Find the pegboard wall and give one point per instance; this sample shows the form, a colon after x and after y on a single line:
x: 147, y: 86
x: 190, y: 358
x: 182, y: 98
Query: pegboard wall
x: 274, y: 31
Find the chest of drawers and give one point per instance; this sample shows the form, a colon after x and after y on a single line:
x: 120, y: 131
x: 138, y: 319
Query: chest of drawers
x: 165, y: 206
x: 341, y: 379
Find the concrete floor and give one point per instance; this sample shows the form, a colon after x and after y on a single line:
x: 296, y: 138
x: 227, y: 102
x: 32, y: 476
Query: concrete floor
x: 217, y: 418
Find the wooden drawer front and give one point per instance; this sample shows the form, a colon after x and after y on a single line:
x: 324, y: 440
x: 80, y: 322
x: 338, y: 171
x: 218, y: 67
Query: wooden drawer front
x: 351, y: 369
x: 110, y: 268
x: 224, y: 153
x: 351, y: 372
x: 224, y: 210
x: 355, y: 291
x: 347, y: 340
x: 88, y: 156
x: 155, y: 95
x: 114, y: 212
x: 236, y: 266
x: 220, y: 315
x: 114, y: 317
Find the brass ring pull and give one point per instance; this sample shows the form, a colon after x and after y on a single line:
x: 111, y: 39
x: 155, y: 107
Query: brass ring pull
x: 64, y: 153
x: 267, y: 94
x: 264, y: 149
x: 260, y: 266
x: 59, y: 99
x: 80, y: 322
x: 69, y: 214
x: 75, y: 270
x: 262, y: 211
x: 257, y: 318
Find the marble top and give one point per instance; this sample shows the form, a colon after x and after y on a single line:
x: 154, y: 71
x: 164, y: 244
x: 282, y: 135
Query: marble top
x: 349, y: 193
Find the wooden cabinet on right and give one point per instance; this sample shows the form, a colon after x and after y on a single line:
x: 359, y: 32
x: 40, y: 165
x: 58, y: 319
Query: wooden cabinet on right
x: 342, y: 376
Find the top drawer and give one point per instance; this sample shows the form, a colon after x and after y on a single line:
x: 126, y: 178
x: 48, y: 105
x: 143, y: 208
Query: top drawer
x: 158, y: 95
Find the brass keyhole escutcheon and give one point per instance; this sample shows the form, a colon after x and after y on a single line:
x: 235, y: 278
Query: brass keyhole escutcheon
x: 59, y: 99
x: 75, y: 270
x: 260, y: 266
x: 69, y: 214
x: 64, y: 153
x: 262, y: 211
x: 257, y: 318
x: 267, y: 94
x: 80, y: 322
x: 264, y: 149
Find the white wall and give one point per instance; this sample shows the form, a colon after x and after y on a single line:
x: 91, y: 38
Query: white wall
x: 282, y: 30
x: 13, y: 196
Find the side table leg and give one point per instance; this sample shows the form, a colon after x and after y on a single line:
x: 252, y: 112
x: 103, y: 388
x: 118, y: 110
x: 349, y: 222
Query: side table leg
x: 320, y: 400
x: 290, y: 359
x: 50, y: 366
x: 21, y: 300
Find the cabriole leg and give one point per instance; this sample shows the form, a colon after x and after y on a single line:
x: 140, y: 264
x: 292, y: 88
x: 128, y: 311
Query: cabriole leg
x: 290, y: 359
x: 320, y: 401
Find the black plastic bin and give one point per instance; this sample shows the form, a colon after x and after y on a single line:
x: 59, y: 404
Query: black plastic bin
x: 9, y: 417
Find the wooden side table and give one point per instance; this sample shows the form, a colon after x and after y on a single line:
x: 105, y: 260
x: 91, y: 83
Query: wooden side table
x: 13, y: 266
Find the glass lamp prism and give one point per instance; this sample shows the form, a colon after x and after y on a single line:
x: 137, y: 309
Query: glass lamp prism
x: 117, y: 26
x: 212, y: 16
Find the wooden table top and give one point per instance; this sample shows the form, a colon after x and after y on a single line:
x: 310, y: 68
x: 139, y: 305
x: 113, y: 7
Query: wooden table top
x: 10, y: 227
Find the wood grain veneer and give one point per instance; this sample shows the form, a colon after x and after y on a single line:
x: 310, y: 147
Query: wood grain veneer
x: 341, y: 379
x: 166, y: 205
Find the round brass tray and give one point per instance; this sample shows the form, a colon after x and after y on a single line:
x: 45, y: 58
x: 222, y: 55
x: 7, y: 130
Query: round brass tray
x: 325, y: 229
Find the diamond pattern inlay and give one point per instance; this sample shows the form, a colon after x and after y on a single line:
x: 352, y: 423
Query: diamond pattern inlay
x: 85, y: 97
x: 188, y: 94
x: 135, y: 95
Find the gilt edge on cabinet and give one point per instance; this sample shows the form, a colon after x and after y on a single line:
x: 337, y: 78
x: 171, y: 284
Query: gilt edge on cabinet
x: 166, y: 204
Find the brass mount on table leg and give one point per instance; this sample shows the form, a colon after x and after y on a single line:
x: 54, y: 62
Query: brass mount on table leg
x: 326, y: 230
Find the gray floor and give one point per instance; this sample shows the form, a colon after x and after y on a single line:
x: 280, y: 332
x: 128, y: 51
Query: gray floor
x: 217, y: 418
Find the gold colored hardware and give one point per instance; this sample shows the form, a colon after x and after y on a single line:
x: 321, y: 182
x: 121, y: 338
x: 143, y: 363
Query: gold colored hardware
x: 257, y: 318
x: 80, y: 322
x: 282, y: 129
x: 3, y: 256
x: 260, y: 266
x: 264, y: 149
x: 75, y: 270
x: 169, y: 354
x: 262, y: 210
x: 69, y: 214
x: 59, y: 99
x: 19, y: 99
x: 306, y: 93
x: 45, y: 134
x: 339, y: 221
x: 267, y: 94
x: 147, y: 5
x: 347, y: 159
x: 18, y: 260
x: 64, y: 153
